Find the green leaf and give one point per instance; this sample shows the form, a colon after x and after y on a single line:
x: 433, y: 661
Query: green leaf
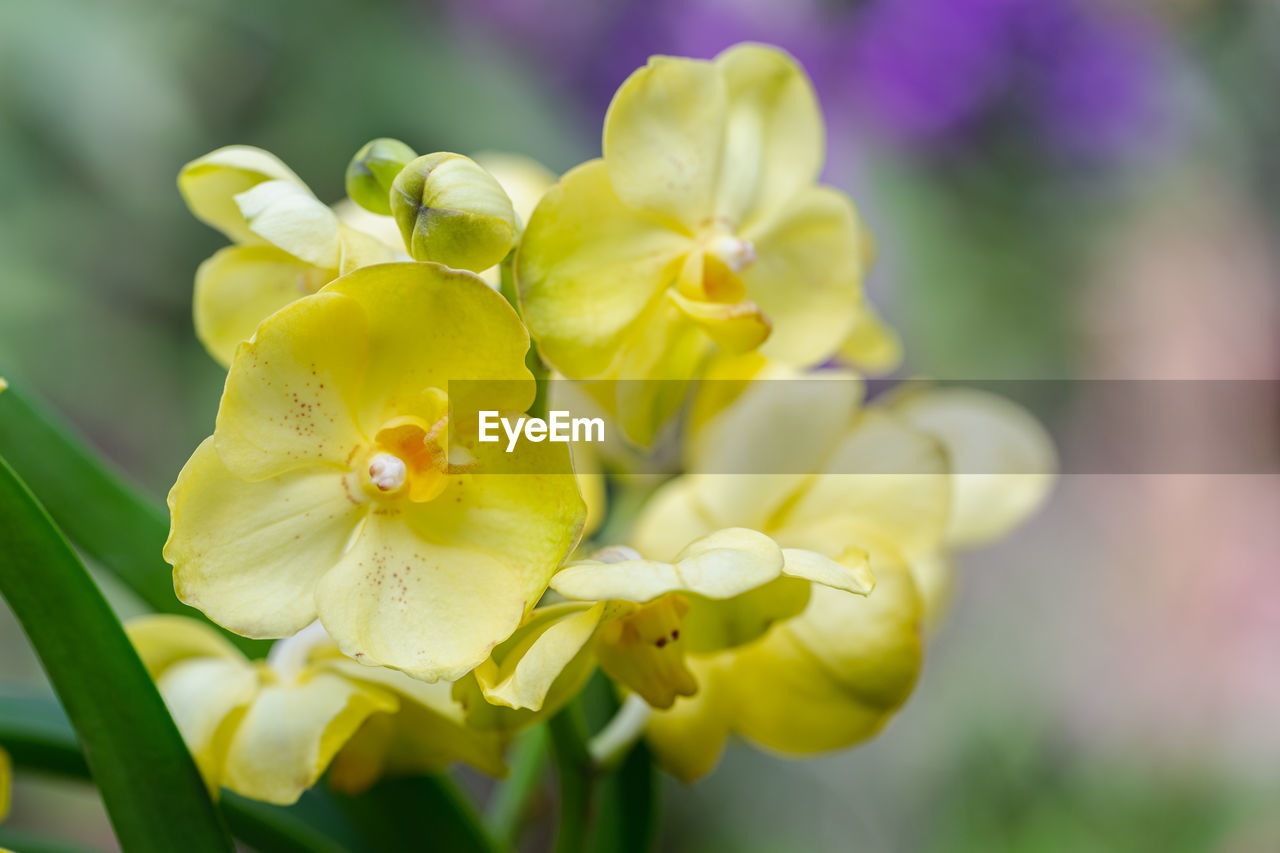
x: 107, y: 518
x: 417, y: 813
x: 152, y: 792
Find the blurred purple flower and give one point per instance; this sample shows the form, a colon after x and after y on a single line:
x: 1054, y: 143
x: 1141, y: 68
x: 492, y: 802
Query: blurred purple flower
x: 1080, y: 75
x: 592, y: 47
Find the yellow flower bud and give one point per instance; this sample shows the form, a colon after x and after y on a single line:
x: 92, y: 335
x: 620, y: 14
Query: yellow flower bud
x: 373, y: 171
x: 453, y: 212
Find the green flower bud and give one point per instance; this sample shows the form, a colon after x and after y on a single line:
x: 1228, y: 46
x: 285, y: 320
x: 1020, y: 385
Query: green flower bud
x: 372, y: 171
x: 453, y: 212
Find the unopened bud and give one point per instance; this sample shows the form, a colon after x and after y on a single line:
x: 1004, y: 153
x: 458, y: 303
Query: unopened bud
x: 453, y: 212
x: 372, y: 172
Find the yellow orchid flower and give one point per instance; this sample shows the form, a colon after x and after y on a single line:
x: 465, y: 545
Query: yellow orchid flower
x: 824, y: 680
x: 701, y: 227
x: 829, y: 474
x: 999, y: 460
x: 639, y: 619
x: 269, y: 729
x: 287, y: 243
x: 335, y: 486
x: 834, y: 476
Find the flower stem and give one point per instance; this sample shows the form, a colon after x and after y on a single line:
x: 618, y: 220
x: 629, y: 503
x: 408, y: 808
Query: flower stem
x: 510, y: 802
x: 573, y: 762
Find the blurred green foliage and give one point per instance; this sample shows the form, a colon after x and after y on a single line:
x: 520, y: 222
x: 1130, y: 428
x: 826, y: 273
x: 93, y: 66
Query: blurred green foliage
x: 99, y: 107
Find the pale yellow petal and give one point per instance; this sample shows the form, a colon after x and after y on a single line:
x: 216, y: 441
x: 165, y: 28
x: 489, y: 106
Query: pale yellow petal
x: 751, y: 456
x: 663, y: 139
x: 250, y: 554
x: 381, y: 228
x: 735, y: 327
x: 285, y: 214
x: 540, y: 657
x: 240, y: 286
x: 430, y: 610
x: 720, y: 565
x: 506, y: 658
x: 429, y: 325
x: 1002, y: 458
x: 163, y: 639
x: 872, y: 344
x: 290, y: 396
x: 592, y: 485
x: 688, y: 738
x: 934, y: 575
x: 211, y: 183
x: 206, y: 698
x: 586, y: 269
x: 358, y: 249
x: 885, y: 479
x: 657, y: 359
x: 672, y: 518
x: 834, y: 675
x: 808, y: 275
x: 774, y: 135
x: 291, y: 732
x: 851, y: 573
x: 426, y: 735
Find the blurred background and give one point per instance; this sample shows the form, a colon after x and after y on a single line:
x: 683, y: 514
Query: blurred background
x: 1060, y: 189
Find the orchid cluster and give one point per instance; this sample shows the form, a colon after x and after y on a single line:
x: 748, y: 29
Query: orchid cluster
x: 431, y: 595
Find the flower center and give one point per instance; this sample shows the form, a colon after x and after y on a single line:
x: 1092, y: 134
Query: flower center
x: 712, y: 271
x: 643, y: 651
x: 387, y: 472
x: 410, y: 456
x: 409, y: 459
x: 734, y: 252
x: 711, y: 292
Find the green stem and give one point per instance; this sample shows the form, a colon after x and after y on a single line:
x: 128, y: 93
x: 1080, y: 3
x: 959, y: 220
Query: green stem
x: 629, y: 805
x: 107, y: 518
x: 576, y: 773
x: 153, y: 794
x: 510, y: 803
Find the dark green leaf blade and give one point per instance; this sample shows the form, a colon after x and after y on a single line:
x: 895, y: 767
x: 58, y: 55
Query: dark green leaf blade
x: 153, y: 794
x: 110, y: 520
x: 102, y: 514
